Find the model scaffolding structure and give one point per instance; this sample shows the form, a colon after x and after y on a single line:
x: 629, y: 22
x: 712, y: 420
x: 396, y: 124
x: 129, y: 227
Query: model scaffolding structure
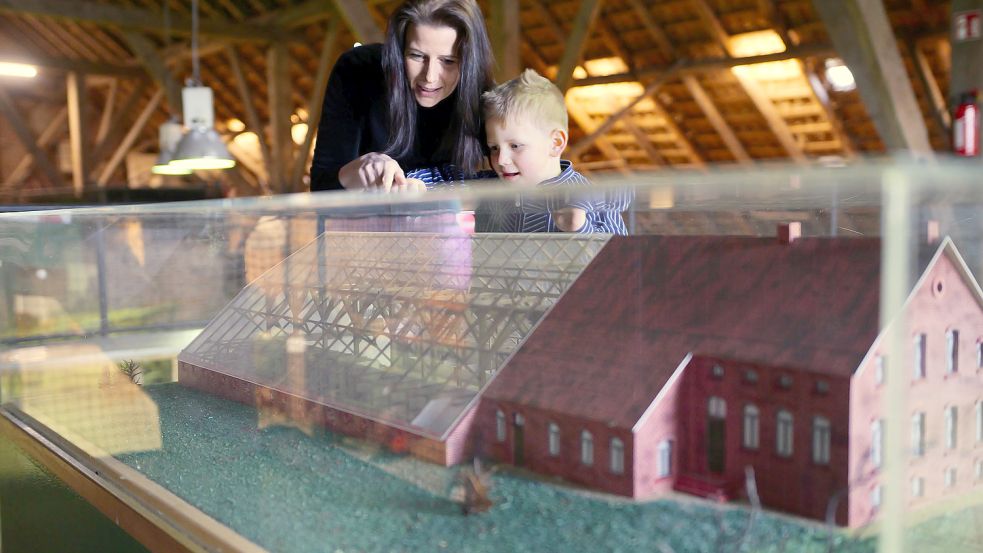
x: 632, y: 365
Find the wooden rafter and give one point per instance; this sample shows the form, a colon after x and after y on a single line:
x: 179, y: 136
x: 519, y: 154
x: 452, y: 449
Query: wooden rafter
x: 923, y: 70
x: 684, y: 143
x: 775, y: 121
x: 359, y: 19
x: 78, y: 132
x: 709, y: 18
x: 23, y: 132
x: 147, y: 54
x: 713, y: 115
x: 864, y: 38
x: 644, y: 142
x: 252, y: 118
x: 505, y: 37
x: 582, y: 24
x: 106, y: 117
x: 104, y: 147
x: 822, y: 97
x: 126, y: 145
x: 54, y: 129
x: 315, y: 103
x: 278, y: 91
x: 609, y: 150
x: 656, y: 31
x: 136, y: 18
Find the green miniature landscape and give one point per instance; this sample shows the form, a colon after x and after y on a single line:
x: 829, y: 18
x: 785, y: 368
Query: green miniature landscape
x: 287, y: 491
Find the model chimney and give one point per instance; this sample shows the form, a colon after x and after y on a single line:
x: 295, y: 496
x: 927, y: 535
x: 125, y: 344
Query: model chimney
x: 932, y: 232
x: 789, y: 232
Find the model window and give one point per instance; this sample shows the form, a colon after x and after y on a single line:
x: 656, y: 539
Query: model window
x: 785, y: 382
x: 950, y: 477
x: 554, y: 439
x: 500, y: 425
x: 751, y: 376
x: 784, y: 434
x: 951, y: 427
x: 875, y: 497
x: 664, y: 467
x: 919, y: 365
x: 918, y: 434
x: 979, y: 421
x: 717, y: 371
x: 717, y: 407
x: 822, y: 387
x: 877, y: 442
x: 917, y: 487
x: 979, y: 355
x: 879, y: 369
x: 617, y: 456
x: 751, y: 427
x: 586, y: 448
x: 821, y: 433
x: 952, y: 351
x: 979, y: 469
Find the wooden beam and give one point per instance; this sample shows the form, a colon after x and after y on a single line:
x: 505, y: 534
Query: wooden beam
x: 649, y: 90
x: 644, y: 142
x: 103, y: 147
x: 820, y: 95
x: 684, y: 143
x: 78, y: 131
x: 609, y: 150
x: 576, y: 41
x: 252, y: 118
x: 775, y: 121
x: 683, y: 67
x: 155, y: 65
x: 862, y: 34
x: 106, y: 117
x: 717, y: 120
x: 940, y: 108
x: 359, y: 19
x: 655, y: 30
x: 136, y: 18
x: 278, y: 89
x: 315, y: 103
x: 505, y: 38
x: 709, y: 18
x: 67, y: 64
x: 26, y: 137
x: 120, y: 154
x: 55, y: 128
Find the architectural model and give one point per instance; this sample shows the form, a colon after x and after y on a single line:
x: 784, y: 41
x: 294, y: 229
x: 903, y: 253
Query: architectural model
x: 631, y: 365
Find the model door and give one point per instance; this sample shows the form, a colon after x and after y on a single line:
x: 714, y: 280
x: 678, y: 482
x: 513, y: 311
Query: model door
x: 716, y: 434
x: 518, y: 440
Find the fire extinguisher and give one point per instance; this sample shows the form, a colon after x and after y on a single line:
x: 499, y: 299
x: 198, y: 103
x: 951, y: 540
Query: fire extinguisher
x: 966, y: 126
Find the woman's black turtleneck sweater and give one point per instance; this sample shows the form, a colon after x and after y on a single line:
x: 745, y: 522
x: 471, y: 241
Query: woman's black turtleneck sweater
x: 354, y: 120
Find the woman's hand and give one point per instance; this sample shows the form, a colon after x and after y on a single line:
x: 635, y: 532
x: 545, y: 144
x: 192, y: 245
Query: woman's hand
x: 372, y: 170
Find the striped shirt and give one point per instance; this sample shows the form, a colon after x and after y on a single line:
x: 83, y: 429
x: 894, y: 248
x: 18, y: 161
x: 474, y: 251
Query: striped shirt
x: 602, y: 209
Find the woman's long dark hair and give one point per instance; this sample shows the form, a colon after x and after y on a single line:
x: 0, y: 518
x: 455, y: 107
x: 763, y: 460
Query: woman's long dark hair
x: 475, y: 61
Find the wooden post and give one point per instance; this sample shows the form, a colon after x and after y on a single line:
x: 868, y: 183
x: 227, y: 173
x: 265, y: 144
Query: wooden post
x: 78, y: 130
x: 505, y: 37
x: 575, y: 42
x: 278, y: 87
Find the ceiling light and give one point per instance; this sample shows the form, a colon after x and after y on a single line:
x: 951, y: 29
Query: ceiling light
x: 22, y: 70
x: 235, y: 125
x: 169, y: 136
x: 839, y: 76
x: 298, y: 133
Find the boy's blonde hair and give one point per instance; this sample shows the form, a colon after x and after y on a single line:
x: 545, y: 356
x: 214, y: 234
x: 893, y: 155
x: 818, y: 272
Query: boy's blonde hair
x: 528, y: 95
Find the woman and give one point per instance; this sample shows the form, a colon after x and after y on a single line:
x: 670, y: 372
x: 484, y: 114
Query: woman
x: 411, y: 102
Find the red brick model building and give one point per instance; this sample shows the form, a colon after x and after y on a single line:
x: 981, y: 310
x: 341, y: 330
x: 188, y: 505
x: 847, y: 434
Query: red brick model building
x: 657, y: 363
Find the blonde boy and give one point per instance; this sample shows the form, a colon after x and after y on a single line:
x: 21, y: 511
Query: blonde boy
x: 526, y: 132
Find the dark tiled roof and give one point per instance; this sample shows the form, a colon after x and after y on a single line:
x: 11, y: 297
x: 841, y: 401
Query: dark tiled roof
x: 612, y: 342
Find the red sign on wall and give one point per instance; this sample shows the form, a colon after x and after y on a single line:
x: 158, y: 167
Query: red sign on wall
x: 966, y: 25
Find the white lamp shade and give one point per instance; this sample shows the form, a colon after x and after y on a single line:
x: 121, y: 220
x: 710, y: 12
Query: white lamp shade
x: 202, y: 148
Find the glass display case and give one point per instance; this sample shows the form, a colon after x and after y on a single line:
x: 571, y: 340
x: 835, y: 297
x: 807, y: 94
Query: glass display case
x: 787, y: 358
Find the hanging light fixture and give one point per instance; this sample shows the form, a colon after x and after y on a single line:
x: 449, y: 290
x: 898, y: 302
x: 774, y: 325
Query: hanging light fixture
x: 170, y: 135
x: 200, y: 147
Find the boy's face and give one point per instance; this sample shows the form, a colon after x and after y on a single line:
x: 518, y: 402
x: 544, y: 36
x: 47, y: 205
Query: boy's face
x: 523, y: 152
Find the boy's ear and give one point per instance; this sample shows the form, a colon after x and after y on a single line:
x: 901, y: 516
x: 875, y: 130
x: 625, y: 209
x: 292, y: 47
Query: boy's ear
x: 558, y: 142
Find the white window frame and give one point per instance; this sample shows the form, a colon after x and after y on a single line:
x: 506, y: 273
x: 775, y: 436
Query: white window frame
x: 554, y: 439
x: 500, y: 425
x: 951, y: 427
x: 978, y: 469
x: 617, y: 454
x: 751, y: 438
x: 664, y: 461
x: 877, y: 442
x: 784, y: 433
x: 586, y: 448
x: 920, y: 345
x: 822, y: 432
x: 875, y: 497
x: 951, y: 351
x: 918, y: 434
x: 979, y: 354
x: 979, y: 421
x: 917, y: 486
x: 879, y: 369
x: 949, y: 477
x: 717, y: 407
